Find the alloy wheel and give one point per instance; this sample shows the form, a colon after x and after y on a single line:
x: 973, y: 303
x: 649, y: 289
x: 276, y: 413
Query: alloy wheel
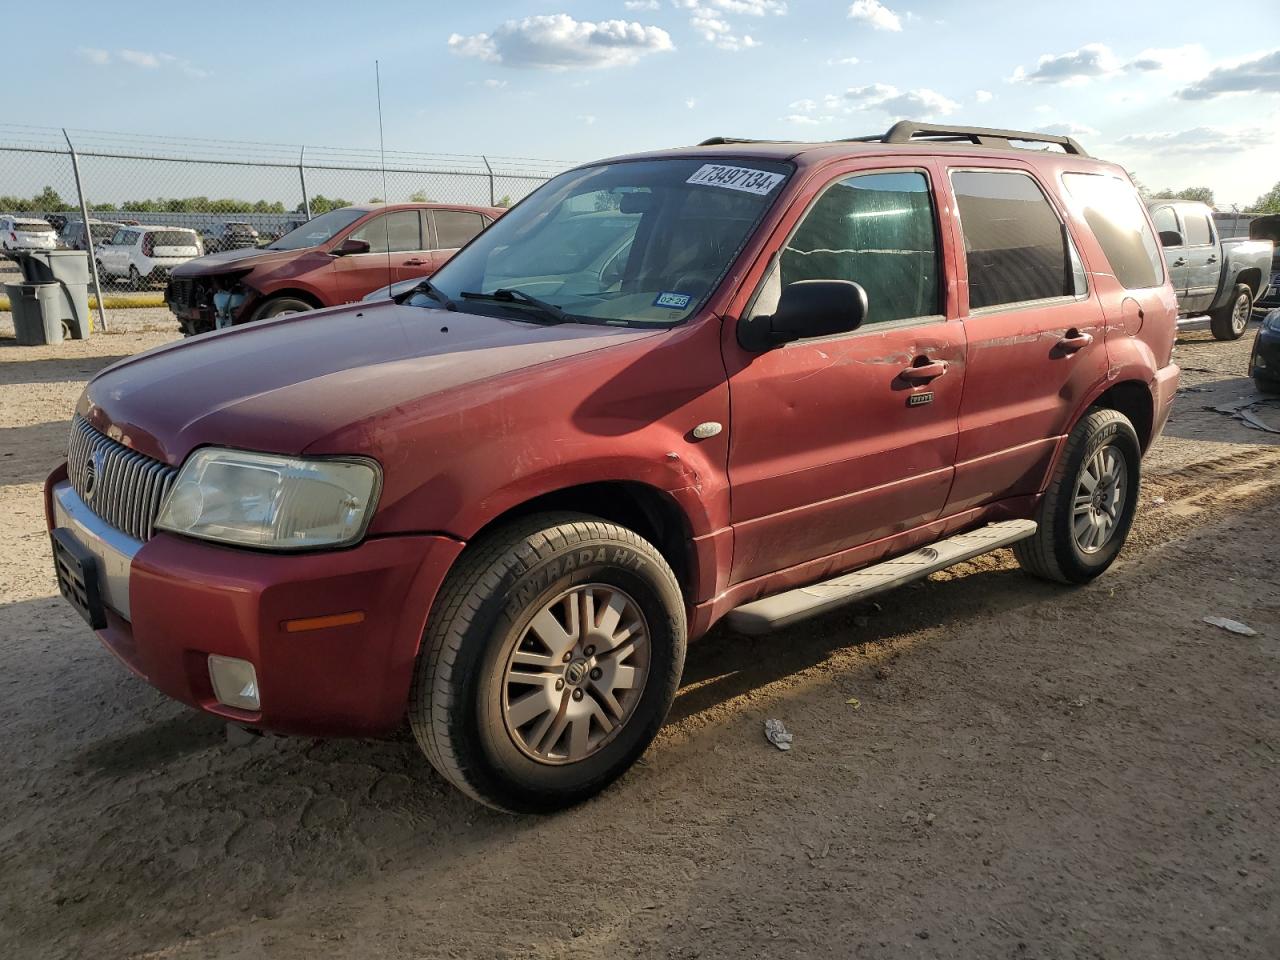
x: 1240, y: 314
x: 575, y: 674
x: 1101, y: 487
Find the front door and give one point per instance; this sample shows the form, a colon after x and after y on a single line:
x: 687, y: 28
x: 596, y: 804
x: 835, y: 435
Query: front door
x: 839, y: 441
x: 396, y: 252
x: 1202, y: 255
x: 1169, y: 228
x: 1035, y: 332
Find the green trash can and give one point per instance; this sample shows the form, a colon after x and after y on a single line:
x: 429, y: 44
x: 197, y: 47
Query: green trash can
x: 37, y: 309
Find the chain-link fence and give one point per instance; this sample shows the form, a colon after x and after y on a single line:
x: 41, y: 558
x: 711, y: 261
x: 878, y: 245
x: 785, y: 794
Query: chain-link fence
x: 230, y: 193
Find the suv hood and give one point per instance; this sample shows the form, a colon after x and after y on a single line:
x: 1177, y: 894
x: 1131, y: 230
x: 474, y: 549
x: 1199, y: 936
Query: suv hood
x: 280, y: 385
x: 239, y: 257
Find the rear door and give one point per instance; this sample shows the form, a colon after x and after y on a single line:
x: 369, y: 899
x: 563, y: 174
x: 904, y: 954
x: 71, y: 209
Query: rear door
x: 1035, y: 331
x: 831, y: 445
x: 453, y: 230
x: 1203, y: 258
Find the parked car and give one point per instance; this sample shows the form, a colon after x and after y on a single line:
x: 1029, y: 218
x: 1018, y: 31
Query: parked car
x: 228, y: 236
x: 1220, y: 278
x: 73, y: 235
x: 146, y: 254
x: 26, y: 233
x: 56, y: 220
x: 1268, y: 228
x: 1264, y: 359
x: 503, y: 504
x: 332, y: 259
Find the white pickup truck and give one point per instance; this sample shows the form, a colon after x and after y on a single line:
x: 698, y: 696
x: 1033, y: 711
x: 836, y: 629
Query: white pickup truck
x: 147, y: 254
x: 1213, y: 276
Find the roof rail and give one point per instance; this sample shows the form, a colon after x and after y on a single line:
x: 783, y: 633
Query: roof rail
x: 721, y: 141
x: 905, y: 131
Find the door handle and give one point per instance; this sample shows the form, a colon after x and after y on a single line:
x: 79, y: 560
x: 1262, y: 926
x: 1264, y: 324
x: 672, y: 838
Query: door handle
x: 1212, y: 259
x: 1075, y: 340
x: 415, y: 262
x: 1180, y: 262
x: 926, y: 371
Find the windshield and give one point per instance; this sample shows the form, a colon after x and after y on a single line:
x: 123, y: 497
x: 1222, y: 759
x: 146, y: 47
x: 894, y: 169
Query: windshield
x: 319, y: 230
x: 637, y: 242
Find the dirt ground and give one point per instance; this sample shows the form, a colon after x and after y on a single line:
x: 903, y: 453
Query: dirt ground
x: 1030, y: 771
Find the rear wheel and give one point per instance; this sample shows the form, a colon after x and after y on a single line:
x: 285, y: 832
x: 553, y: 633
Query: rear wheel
x: 550, y: 660
x: 1086, y: 513
x: 279, y: 306
x: 135, y: 278
x: 1229, y: 321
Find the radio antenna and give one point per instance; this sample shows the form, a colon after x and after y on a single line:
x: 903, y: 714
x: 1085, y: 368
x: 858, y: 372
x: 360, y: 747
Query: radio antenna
x: 382, y: 146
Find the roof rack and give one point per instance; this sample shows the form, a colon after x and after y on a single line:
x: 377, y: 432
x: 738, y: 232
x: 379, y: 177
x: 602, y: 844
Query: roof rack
x: 905, y: 131
x: 721, y: 141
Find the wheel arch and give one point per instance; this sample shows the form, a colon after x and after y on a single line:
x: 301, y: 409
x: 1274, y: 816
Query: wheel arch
x: 1251, y: 277
x: 649, y: 511
x: 296, y: 293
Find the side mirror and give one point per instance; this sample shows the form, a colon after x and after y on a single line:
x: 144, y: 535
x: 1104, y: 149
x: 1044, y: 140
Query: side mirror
x: 808, y: 308
x: 349, y: 246
x: 1170, y: 238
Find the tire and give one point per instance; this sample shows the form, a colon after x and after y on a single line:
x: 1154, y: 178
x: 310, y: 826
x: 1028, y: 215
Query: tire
x: 1266, y: 385
x: 278, y: 306
x: 1055, y: 551
x: 463, y: 705
x: 135, y: 278
x: 1230, y: 321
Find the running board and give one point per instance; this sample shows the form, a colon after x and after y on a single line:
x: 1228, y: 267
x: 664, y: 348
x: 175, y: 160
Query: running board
x: 784, y: 609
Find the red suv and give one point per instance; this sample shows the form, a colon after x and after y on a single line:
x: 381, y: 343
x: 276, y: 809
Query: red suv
x: 335, y: 258
x: 741, y: 381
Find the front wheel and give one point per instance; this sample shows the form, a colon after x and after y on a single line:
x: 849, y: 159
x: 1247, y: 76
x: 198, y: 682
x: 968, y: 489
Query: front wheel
x: 279, y: 307
x: 550, y: 660
x: 1088, y: 508
x: 1229, y: 321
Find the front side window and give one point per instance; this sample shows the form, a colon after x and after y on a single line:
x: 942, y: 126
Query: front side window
x: 397, y: 232
x: 1197, y: 225
x: 876, y: 229
x: 1165, y: 219
x: 455, y: 228
x: 120, y: 239
x: 1015, y: 246
x: 1114, y: 213
x: 681, y: 223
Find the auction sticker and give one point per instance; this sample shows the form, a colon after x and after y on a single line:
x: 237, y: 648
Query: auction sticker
x: 745, y: 179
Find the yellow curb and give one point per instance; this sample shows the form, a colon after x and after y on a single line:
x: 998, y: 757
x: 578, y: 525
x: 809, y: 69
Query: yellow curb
x: 123, y: 301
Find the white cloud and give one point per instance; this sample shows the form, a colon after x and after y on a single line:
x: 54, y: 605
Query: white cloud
x: 982, y: 96
x: 690, y: 103
x: 94, y: 55
x: 1257, y: 75
x: 876, y: 14
x: 559, y: 42
x: 708, y: 19
x: 804, y: 106
x: 642, y: 5
x: 804, y: 120
x: 1197, y: 140
x: 143, y: 59
x: 588, y: 118
x: 1186, y: 62
x: 921, y: 103
x: 1065, y: 128
x: 1076, y: 66
x: 843, y: 61
x: 140, y: 58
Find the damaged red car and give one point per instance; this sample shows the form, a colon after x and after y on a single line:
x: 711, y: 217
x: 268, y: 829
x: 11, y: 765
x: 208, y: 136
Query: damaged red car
x: 335, y: 258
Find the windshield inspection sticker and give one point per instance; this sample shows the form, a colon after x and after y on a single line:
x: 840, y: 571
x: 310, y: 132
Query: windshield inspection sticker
x: 745, y: 179
x: 673, y: 301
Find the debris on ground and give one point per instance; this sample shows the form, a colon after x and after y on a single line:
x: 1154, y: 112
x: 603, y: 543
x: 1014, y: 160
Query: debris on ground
x: 854, y: 702
x: 1256, y: 412
x: 1235, y: 626
x: 777, y: 734
x: 1157, y: 501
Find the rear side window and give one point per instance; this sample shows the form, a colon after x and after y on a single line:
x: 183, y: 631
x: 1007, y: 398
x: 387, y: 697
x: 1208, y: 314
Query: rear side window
x: 455, y: 228
x: 876, y: 229
x: 1114, y: 213
x: 1015, y: 245
x: 1197, y: 225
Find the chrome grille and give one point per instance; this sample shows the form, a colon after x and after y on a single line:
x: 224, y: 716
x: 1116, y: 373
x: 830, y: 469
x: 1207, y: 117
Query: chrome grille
x: 120, y: 485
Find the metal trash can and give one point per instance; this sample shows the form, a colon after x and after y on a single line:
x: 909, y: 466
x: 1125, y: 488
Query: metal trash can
x: 70, y: 270
x: 37, y: 309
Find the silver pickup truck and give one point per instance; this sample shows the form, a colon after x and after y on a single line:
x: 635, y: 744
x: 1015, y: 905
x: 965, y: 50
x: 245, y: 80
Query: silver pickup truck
x: 1220, y: 278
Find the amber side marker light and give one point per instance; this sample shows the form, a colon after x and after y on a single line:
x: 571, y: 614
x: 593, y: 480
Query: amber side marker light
x: 319, y: 623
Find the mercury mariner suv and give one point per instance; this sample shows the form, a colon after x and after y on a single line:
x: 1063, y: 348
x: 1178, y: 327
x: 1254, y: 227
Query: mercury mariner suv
x: 742, y: 381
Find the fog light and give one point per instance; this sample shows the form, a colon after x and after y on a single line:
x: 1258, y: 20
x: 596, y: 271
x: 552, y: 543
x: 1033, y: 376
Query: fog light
x: 235, y: 683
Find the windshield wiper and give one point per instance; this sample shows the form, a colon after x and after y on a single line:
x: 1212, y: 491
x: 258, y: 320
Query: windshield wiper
x: 507, y: 295
x: 432, y: 291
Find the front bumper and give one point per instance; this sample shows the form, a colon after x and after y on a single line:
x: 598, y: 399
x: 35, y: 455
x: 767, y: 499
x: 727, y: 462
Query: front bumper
x: 172, y: 602
x: 1264, y: 360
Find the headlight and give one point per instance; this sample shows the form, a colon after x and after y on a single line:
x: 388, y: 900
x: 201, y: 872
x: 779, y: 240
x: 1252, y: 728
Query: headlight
x: 278, y: 503
x: 1272, y: 321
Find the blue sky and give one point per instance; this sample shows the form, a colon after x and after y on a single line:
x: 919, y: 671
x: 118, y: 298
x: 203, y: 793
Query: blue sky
x: 1176, y: 92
